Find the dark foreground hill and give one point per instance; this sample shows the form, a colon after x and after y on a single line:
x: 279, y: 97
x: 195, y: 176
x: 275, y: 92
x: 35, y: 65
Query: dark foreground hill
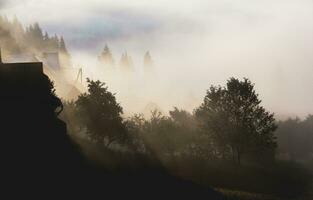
x: 38, y: 158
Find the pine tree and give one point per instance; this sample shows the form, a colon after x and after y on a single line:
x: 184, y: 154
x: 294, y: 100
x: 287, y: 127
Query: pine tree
x: 62, y: 46
x: 37, y: 32
x: 17, y: 30
x: 126, y: 62
x: 148, y: 65
x: 46, y: 37
x: 147, y: 61
x: 15, y: 39
x: 106, y: 57
x: 55, y: 43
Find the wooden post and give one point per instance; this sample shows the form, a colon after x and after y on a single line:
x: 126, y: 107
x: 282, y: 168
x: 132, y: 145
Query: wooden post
x: 0, y: 56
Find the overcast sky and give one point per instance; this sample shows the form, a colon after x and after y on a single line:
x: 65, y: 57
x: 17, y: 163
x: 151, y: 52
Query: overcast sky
x: 195, y: 43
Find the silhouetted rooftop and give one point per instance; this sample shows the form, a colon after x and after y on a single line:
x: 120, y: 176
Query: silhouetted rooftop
x: 21, y: 68
x: 22, y: 80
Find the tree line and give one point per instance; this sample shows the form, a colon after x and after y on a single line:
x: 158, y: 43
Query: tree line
x: 107, y: 60
x: 17, y: 39
x: 295, y: 139
x: 230, y: 124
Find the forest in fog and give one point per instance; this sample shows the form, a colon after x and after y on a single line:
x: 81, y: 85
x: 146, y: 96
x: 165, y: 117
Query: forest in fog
x: 229, y: 141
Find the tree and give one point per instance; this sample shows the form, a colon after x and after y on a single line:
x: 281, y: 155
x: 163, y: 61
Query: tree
x: 62, y: 46
x: 65, y: 57
x: 126, y: 62
x: 37, y: 32
x: 101, y: 114
x: 14, y: 39
x: 235, y: 121
x: 190, y: 141
x: 34, y: 36
x: 135, y: 128
x: 295, y: 138
x: 55, y: 43
x: 147, y: 60
x: 106, y: 57
x: 167, y: 137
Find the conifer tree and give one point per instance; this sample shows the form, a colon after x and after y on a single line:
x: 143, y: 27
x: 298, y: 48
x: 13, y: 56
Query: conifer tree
x: 106, y: 57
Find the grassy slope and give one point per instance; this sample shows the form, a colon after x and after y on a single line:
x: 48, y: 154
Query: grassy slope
x: 306, y: 193
x: 283, y: 180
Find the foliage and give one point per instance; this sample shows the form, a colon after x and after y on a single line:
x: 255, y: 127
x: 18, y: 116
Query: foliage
x: 168, y: 137
x: 15, y: 38
x: 106, y: 57
x: 126, y: 62
x: 147, y: 60
x: 101, y: 114
x: 190, y: 145
x: 295, y: 139
x: 235, y: 121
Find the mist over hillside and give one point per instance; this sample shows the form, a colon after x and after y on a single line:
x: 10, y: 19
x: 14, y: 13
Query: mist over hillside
x: 202, y: 98
x: 269, y: 42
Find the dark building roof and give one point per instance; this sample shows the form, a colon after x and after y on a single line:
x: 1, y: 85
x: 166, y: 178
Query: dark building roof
x: 20, y: 68
x: 24, y: 69
x: 25, y: 80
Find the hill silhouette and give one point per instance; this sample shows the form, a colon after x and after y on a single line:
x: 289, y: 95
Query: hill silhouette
x: 38, y: 158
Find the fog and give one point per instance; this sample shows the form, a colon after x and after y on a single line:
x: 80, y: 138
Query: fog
x: 193, y: 43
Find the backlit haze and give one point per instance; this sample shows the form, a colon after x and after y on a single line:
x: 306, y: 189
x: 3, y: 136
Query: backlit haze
x: 193, y: 44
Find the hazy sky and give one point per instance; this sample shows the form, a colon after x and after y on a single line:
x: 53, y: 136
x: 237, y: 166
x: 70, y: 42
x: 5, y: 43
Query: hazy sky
x: 195, y: 43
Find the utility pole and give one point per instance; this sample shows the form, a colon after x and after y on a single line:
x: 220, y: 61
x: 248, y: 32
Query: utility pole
x: 80, y: 75
x: 0, y: 56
